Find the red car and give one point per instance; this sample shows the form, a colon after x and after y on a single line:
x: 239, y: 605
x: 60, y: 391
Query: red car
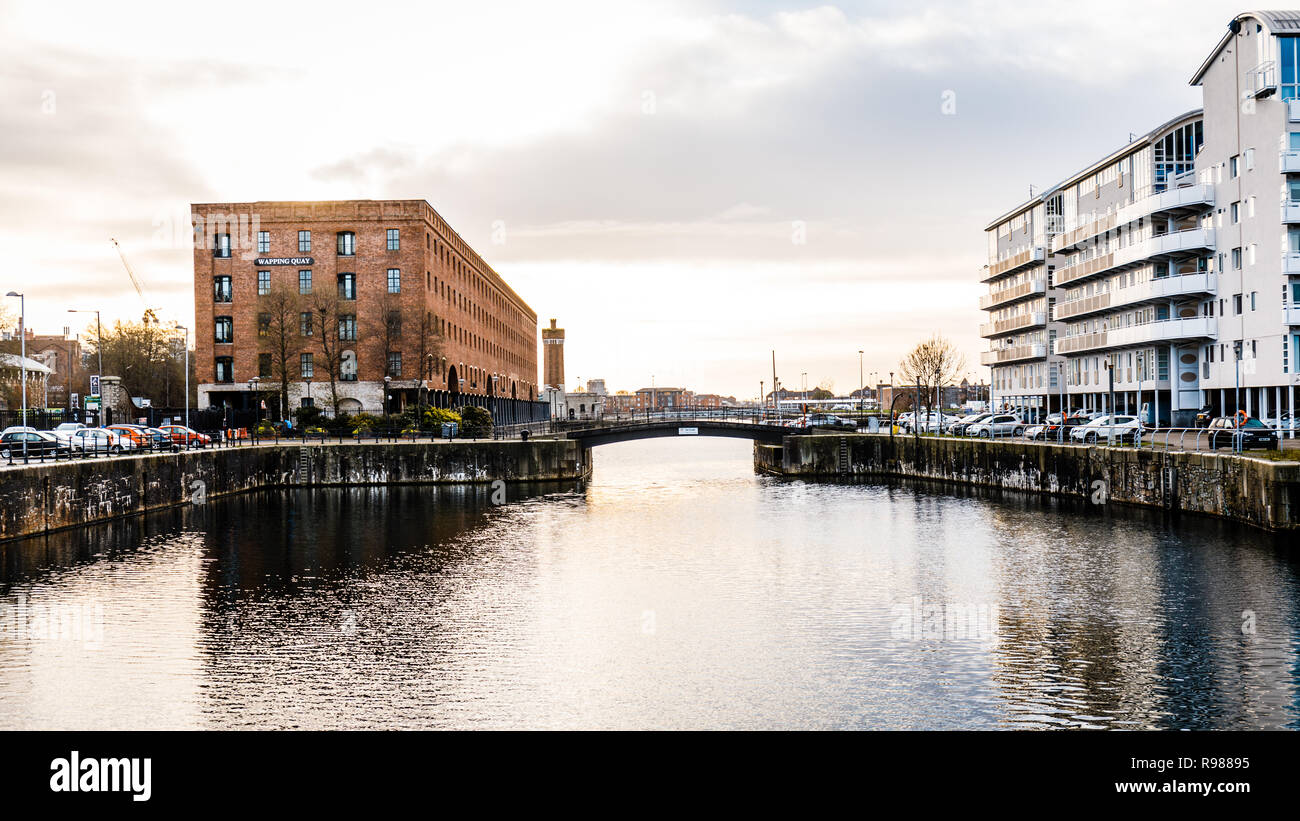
x: 186, y: 436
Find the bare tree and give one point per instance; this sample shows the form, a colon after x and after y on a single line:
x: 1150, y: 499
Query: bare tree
x: 384, y: 321
x: 279, y: 333
x: 927, y: 368
x: 325, y: 308
x: 428, y: 344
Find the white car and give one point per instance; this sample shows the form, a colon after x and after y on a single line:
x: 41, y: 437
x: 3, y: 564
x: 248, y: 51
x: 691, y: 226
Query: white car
x: 997, y: 426
x: 19, y: 428
x: 1118, y: 428
x: 65, y: 430
x: 98, y: 440
x: 933, y: 423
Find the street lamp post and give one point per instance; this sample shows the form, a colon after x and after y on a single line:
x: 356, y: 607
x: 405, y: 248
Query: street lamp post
x: 22, y: 354
x: 387, y: 381
x: 861, y: 387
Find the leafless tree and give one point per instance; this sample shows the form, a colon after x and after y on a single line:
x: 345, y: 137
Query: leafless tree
x: 279, y: 335
x: 926, y: 369
x: 325, y: 308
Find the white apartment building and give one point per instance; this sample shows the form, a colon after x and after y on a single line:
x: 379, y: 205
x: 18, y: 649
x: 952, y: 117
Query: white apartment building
x: 1171, y: 265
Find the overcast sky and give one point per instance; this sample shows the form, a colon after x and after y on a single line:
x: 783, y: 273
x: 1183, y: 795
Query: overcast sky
x: 684, y: 186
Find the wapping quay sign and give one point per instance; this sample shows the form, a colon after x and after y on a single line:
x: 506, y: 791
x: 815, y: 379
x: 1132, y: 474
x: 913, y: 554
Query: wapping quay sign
x: 285, y: 261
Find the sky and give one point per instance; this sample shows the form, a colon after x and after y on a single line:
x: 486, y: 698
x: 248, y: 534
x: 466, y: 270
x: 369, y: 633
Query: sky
x: 685, y: 187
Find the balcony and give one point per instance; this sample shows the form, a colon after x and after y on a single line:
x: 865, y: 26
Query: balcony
x: 1291, y: 264
x: 1187, y: 199
x: 1290, y: 211
x: 1015, y: 323
x: 1005, y: 296
x: 1153, y: 247
x: 1289, y: 162
x: 1261, y: 81
x: 1166, y: 330
x: 1015, y: 262
x: 1293, y: 110
x: 1013, y: 354
x: 1291, y: 315
x: 1153, y: 289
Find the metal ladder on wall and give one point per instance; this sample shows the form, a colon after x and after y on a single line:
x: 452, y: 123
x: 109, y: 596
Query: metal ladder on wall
x: 304, y: 466
x: 844, y: 455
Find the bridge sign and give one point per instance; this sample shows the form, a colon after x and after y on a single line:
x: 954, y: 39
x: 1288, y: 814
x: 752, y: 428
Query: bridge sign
x: 688, y: 431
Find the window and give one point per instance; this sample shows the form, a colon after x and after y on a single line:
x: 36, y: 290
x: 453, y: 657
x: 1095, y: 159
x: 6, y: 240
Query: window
x: 306, y: 368
x: 348, y: 328
x: 263, y: 283
x: 1236, y: 213
x: 264, y: 365
x: 1233, y: 163
x: 304, y: 282
x: 347, y: 243
x: 394, y: 240
x: 1236, y: 303
x: 395, y: 280
x: 263, y: 242
x: 1252, y: 299
x: 221, y: 289
x: 393, y: 324
x: 395, y: 364
x: 221, y: 246
x: 225, y: 369
x: 305, y: 323
x: 1236, y: 259
x: 1290, y: 87
x: 224, y: 330
x: 347, y: 286
x: 263, y: 324
x: 304, y: 241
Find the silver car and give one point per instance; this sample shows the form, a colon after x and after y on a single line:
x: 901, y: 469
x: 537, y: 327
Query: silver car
x: 997, y: 426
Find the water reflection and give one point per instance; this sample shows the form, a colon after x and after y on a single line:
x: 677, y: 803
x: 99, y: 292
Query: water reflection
x: 677, y: 589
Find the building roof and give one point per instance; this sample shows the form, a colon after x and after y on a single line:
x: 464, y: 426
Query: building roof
x: 1277, y: 22
x: 15, y: 362
x: 1103, y: 162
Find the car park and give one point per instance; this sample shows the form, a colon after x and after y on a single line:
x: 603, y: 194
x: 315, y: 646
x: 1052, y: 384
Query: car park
x: 1226, y: 431
x: 1107, y: 428
x: 19, y: 443
x: 63, y: 432
x: 997, y: 426
x: 958, y: 426
x: 186, y: 437
x: 101, y: 441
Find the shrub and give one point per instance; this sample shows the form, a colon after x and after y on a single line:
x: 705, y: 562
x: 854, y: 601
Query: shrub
x: 475, y: 422
x: 308, y: 416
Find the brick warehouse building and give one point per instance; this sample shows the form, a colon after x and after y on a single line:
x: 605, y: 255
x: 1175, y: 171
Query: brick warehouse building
x: 376, y: 302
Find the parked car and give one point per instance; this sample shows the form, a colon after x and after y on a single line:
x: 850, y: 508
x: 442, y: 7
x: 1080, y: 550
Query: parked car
x: 18, y: 429
x: 958, y: 426
x: 186, y: 437
x: 17, y: 443
x: 826, y: 420
x: 997, y: 426
x: 1204, y: 416
x: 1106, y: 428
x: 65, y: 430
x: 133, y: 432
x: 1286, y: 422
x: 101, y: 440
x: 1253, y: 433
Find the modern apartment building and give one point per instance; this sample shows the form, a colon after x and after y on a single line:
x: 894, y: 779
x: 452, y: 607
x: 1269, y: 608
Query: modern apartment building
x: 375, y: 303
x: 1171, y: 265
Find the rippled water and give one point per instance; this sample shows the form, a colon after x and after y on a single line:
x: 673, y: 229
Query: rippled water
x: 677, y: 589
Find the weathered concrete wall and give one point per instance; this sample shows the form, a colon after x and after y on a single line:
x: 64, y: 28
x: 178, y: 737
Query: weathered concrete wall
x: 1255, y: 491
x: 42, y: 497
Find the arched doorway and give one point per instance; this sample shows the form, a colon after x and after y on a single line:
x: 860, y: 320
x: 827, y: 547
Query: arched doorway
x: 350, y: 406
x: 453, y: 383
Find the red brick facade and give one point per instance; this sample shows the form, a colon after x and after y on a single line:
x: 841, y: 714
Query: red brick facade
x: 449, y: 301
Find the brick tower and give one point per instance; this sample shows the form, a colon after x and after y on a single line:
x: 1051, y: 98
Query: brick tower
x: 553, y: 356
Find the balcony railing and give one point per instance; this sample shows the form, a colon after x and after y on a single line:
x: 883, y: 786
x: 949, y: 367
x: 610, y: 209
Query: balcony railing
x: 1261, y: 81
x: 1156, y: 288
x: 1003, y: 296
x: 1293, y: 110
x: 1165, y: 330
x: 1151, y: 201
x: 1289, y: 162
x: 1291, y: 263
x: 1015, y: 323
x: 1290, y: 211
x: 1013, y: 354
x: 1291, y: 314
x: 1015, y: 262
x: 1153, y: 247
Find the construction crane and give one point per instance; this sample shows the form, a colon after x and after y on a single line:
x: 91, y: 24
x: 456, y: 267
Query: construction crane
x: 150, y: 315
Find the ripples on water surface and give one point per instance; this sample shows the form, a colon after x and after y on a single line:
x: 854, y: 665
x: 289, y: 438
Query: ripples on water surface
x: 676, y: 590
